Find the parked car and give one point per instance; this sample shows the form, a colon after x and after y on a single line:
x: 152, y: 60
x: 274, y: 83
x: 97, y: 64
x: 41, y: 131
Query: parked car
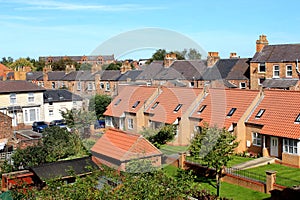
x: 39, y: 126
x: 99, y: 124
x: 61, y: 123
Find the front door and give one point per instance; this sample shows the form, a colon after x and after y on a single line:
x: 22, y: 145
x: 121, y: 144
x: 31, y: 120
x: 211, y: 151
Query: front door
x: 274, y: 146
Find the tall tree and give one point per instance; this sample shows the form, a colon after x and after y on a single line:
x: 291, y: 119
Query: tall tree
x: 7, y: 61
x: 62, y: 64
x: 164, y: 135
x: 21, y: 62
x: 98, y: 103
x: 215, y: 146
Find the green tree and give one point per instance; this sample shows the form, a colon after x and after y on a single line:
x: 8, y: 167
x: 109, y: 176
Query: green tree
x: 79, y: 120
x: 98, y: 103
x: 113, y: 66
x: 164, y: 135
x: 7, y: 61
x: 62, y: 64
x: 21, y: 62
x: 216, y: 147
x: 191, y: 54
x: 86, y: 66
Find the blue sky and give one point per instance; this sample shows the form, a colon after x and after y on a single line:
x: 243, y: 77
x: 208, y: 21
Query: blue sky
x: 41, y: 28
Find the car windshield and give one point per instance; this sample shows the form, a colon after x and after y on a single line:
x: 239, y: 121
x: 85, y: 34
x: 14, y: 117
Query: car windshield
x: 40, y: 123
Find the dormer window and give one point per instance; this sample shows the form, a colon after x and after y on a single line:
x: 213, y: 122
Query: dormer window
x: 260, y: 113
x: 155, y: 105
x: 230, y: 113
x: 135, y: 104
x: 177, y: 107
x: 201, y: 109
x: 117, y: 102
x: 297, y: 120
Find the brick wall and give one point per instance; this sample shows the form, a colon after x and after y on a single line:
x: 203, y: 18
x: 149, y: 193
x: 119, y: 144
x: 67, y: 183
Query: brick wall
x: 291, y: 160
x: 6, y: 130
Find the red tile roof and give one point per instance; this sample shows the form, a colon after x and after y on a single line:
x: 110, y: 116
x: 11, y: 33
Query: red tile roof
x: 124, y: 146
x: 218, y: 104
x: 4, y: 69
x: 281, y: 110
x: 127, y: 97
x: 169, y: 99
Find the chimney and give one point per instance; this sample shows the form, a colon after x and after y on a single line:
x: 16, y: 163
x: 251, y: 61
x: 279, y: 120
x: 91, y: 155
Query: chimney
x: 233, y: 55
x: 169, y: 59
x: 126, y: 66
x: 261, y: 42
x: 212, y: 58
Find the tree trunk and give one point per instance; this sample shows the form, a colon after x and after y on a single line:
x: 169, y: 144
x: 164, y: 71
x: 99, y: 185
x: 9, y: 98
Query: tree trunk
x: 218, y: 178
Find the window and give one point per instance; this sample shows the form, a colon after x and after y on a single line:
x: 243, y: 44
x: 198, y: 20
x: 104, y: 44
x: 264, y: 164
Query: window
x: 192, y: 84
x: 177, y: 107
x: 31, y: 115
x: 107, y: 86
x: 108, y: 121
x: 53, y: 85
x: 90, y: 86
x: 50, y: 112
x: 256, y: 139
x: 297, y: 120
x: 130, y: 123
x: 135, y: 104
x: 201, y: 109
x: 155, y: 105
x: 79, y: 86
x: 261, y: 80
x: 242, y: 85
x: 30, y: 97
x: 262, y: 67
x: 289, y: 71
x: 101, y: 85
x: 290, y: 146
x: 13, y: 98
x: 117, y: 102
x: 230, y: 113
x: 276, y: 71
x: 259, y: 113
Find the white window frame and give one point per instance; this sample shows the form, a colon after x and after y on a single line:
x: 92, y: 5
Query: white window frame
x: 51, y: 112
x: 53, y: 85
x: 256, y: 139
x: 259, y: 70
x: 90, y: 86
x: 275, y: 71
x: 13, y: 98
x: 108, y: 121
x: 291, y: 146
x: 101, y: 85
x: 287, y: 71
x: 241, y: 87
x: 130, y: 123
x: 79, y: 86
x: 27, y: 113
x: 31, y: 97
x: 259, y: 81
x: 107, y: 88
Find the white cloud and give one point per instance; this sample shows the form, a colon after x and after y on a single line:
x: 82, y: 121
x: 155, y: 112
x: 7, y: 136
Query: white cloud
x: 57, y: 5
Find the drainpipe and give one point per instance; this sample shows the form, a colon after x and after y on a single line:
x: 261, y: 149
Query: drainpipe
x: 297, y: 67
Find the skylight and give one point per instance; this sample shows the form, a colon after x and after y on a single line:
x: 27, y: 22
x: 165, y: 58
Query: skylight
x: 260, y: 113
x: 118, y: 101
x: 297, y: 120
x: 201, y: 109
x: 155, y: 105
x: 230, y: 113
x: 135, y: 104
x: 177, y: 107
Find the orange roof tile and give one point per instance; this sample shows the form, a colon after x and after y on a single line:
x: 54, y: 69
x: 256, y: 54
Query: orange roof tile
x: 218, y: 104
x: 4, y: 69
x: 127, y: 98
x: 281, y: 110
x: 124, y: 146
x: 169, y: 99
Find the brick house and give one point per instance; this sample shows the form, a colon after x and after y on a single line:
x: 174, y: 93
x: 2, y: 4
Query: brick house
x: 275, y: 66
x: 107, y: 82
x: 126, y: 111
x: 273, y: 127
x: 224, y: 108
x: 6, y: 131
x: 173, y: 106
x: 22, y: 101
x: 117, y: 149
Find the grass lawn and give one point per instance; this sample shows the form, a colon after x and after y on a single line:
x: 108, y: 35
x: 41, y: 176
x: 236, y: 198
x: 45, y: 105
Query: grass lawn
x: 168, y: 149
x: 229, y: 191
x: 236, y: 160
x: 283, y: 173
